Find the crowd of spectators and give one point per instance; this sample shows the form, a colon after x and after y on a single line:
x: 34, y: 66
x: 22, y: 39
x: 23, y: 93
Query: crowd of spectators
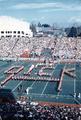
x: 60, y: 47
x: 32, y: 111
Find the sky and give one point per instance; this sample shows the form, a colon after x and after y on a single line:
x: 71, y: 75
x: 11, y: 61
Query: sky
x: 62, y: 12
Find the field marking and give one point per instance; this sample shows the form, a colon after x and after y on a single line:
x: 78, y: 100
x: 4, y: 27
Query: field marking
x: 77, y: 101
x: 2, y: 70
x: 5, y: 68
x: 32, y: 84
x: 17, y: 86
x: 30, y: 87
x: 44, y: 88
x: 75, y: 79
x: 54, y: 69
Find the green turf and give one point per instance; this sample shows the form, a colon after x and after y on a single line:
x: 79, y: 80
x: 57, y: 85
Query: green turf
x: 43, y: 90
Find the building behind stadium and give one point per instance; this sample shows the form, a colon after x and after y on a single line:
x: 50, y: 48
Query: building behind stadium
x: 11, y: 27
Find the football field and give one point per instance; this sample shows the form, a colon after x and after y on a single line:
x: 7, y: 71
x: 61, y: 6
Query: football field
x: 42, y: 89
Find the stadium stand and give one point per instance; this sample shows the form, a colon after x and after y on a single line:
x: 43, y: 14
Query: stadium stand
x: 32, y: 111
x: 56, y: 48
x: 27, y: 110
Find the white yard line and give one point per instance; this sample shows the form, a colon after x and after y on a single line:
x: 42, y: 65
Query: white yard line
x: 75, y: 81
x: 44, y: 88
x: 54, y: 69
x: 77, y: 101
x: 55, y: 66
x: 2, y: 70
x: 32, y: 84
x: 48, y: 81
x: 30, y: 87
x: 16, y: 86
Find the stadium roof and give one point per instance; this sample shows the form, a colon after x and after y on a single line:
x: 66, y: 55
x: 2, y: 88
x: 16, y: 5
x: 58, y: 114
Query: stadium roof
x: 13, y: 24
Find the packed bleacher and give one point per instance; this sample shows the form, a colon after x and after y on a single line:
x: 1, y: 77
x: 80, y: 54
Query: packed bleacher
x: 23, y: 108
x: 32, y: 111
x: 60, y: 47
